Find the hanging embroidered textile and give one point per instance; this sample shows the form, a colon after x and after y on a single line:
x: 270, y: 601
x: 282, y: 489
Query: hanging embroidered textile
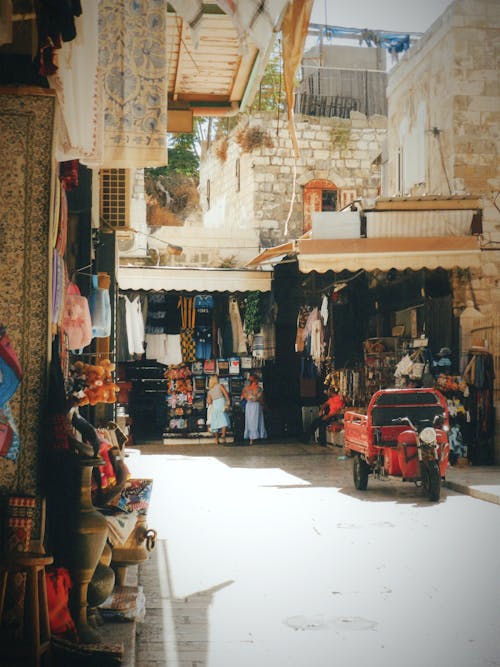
x: 133, y: 53
x: 78, y: 87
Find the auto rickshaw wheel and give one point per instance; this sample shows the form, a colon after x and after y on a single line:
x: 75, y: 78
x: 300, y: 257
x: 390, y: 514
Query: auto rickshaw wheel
x: 360, y: 470
x: 431, y: 480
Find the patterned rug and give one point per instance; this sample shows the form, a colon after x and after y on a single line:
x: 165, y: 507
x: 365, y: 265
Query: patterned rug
x: 26, y: 126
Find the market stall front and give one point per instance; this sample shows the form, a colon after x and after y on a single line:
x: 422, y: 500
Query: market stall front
x: 383, y: 309
x: 178, y: 328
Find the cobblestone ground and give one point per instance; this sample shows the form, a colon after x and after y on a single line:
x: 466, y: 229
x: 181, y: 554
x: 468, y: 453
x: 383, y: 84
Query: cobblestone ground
x: 268, y: 557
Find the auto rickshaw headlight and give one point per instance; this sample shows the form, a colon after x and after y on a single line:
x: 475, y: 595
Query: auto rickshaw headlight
x: 428, y: 435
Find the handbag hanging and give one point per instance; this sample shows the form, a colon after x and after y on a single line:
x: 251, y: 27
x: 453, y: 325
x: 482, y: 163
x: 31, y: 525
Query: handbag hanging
x: 10, y: 438
x: 100, y: 306
x: 76, y: 320
x: 8, y: 353
x: 6, y: 436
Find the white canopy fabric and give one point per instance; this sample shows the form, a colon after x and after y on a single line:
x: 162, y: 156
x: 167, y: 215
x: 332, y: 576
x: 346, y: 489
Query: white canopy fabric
x: 385, y: 254
x: 272, y: 255
x: 193, y: 280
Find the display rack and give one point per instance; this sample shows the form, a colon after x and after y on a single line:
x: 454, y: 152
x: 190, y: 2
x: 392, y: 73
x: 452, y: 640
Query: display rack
x: 381, y: 356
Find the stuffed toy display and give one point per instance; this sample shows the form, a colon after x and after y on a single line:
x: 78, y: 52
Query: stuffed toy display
x: 93, y: 383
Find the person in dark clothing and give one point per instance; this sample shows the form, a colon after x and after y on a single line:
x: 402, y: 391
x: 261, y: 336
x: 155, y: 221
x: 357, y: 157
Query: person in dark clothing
x: 330, y: 411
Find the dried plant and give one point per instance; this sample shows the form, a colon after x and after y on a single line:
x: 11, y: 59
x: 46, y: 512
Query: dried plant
x: 228, y: 262
x: 252, y: 137
x: 340, y: 134
x: 220, y: 149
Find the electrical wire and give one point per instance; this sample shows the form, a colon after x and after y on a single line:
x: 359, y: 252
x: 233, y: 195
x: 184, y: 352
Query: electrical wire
x: 168, y: 243
x: 437, y: 133
x: 137, y: 231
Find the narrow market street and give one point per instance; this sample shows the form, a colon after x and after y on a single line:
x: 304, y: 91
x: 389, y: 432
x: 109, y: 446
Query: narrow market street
x: 268, y: 556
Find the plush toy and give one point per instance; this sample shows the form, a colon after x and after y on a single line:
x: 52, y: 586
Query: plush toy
x: 110, y: 387
x: 96, y: 380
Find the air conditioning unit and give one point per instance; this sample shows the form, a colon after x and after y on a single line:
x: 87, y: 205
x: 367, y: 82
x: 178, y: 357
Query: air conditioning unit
x: 115, y: 198
x: 131, y: 244
x: 125, y: 241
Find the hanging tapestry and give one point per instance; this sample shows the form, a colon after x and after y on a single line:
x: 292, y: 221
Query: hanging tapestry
x: 133, y: 57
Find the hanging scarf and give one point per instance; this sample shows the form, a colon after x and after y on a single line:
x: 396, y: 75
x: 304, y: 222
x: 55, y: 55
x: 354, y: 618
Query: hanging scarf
x: 188, y: 344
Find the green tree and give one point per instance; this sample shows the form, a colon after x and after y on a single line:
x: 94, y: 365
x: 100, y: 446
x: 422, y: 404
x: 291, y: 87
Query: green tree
x: 271, y: 93
x: 174, y: 186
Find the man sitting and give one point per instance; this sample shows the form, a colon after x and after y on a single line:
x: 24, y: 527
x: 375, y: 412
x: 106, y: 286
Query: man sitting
x: 330, y: 411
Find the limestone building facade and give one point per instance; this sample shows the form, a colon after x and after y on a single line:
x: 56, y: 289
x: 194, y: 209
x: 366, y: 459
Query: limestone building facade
x: 262, y: 185
x: 444, y: 124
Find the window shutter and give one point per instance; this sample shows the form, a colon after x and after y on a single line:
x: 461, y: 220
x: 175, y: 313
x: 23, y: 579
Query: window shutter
x: 115, y: 197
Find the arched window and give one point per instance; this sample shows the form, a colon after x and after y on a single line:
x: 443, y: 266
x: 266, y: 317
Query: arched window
x: 319, y: 195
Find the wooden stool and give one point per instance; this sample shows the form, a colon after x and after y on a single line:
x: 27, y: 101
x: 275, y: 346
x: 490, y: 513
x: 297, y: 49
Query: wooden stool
x: 35, y: 640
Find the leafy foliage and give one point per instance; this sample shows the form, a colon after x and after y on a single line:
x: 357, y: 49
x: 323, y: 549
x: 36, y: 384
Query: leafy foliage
x: 174, y: 186
x: 271, y: 93
x: 340, y: 134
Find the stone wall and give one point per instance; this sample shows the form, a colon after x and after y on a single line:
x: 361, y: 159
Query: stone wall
x: 271, y: 180
x: 453, y: 70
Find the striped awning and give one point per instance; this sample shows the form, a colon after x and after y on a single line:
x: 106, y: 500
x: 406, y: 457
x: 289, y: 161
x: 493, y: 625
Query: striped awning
x: 444, y: 252
x: 193, y: 280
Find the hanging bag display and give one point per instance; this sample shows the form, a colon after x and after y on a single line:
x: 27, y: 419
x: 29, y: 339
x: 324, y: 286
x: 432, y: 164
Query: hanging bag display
x: 9, y: 436
x: 58, y: 584
x: 417, y: 369
x: 76, y: 320
x: 6, y: 436
x: 8, y: 354
x: 100, y: 306
x: 404, y: 366
x: 9, y: 382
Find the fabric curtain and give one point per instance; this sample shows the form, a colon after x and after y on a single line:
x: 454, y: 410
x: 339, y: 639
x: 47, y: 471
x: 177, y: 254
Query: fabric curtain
x: 79, y: 118
x: 294, y: 28
x: 255, y: 19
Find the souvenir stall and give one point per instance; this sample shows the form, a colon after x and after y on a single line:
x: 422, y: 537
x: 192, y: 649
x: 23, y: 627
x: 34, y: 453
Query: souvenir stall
x: 360, y: 331
x: 319, y: 341
x: 56, y: 316
x: 96, y: 514
x: 174, y: 341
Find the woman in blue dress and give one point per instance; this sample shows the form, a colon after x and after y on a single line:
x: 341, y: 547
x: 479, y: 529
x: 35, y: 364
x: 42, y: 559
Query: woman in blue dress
x: 254, y: 413
x: 218, y: 398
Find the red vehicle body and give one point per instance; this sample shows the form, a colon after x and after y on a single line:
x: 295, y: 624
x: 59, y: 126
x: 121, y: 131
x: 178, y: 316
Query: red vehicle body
x: 404, y: 434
